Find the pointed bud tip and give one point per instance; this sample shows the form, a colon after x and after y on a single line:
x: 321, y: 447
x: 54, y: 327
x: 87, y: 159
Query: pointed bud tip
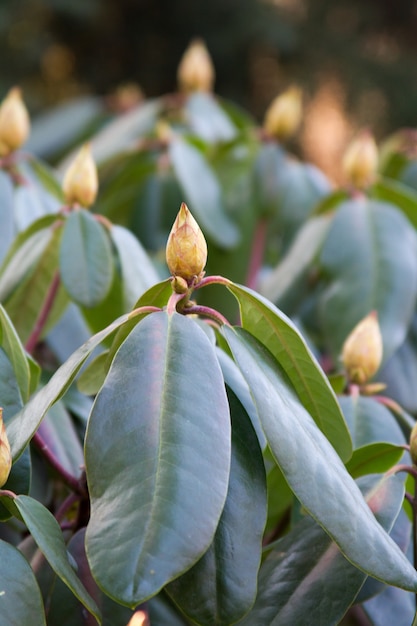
x: 14, y: 122
x: 283, y: 116
x: 363, y: 350
x: 80, y: 184
x: 196, y: 70
x: 186, y: 250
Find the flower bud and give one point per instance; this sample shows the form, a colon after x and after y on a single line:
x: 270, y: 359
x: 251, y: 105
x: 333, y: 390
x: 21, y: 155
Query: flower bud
x: 360, y: 162
x: 186, y: 250
x: 413, y: 444
x: 14, y: 122
x: 5, y: 453
x: 283, y: 116
x: 80, y: 183
x: 362, y: 350
x: 139, y: 618
x: 196, y: 70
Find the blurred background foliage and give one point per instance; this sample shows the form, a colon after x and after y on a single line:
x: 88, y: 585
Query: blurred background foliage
x: 355, y: 59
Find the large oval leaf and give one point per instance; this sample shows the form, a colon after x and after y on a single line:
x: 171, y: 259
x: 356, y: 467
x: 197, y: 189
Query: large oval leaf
x: 20, y: 596
x: 313, y: 470
x: 221, y: 587
x: 275, y: 330
x: 306, y: 579
x: 370, y: 257
x: 157, y: 458
x: 370, y: 421
x: 86, y: 262
x: 203, y: 193
x: 207, y: 119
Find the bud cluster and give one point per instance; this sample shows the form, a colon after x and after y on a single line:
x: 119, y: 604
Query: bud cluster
x: 14, y: 122
x: 80, y: 183
x: 283, y: 116
x: 5, y: 453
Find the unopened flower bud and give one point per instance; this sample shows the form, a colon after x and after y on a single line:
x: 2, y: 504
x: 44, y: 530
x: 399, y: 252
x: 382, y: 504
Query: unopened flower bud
x: 5, y: 453
x: 80, y: 183
x: 179, y: 284
x: 283, y: 115
x: 196, y: 70
x: 186, y: 250
x: 360, y: 162
x: 413, y: 444
x: 14, y: 122
x: 139, y: 618
x: 362, y: 350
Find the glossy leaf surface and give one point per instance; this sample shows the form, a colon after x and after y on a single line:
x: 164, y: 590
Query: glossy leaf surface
x: 370, y: 258
x: 275, y: 330
x: 203, y: 193
x: 22, y: 426
x: 222, y: 586
x: 306, y: 579
x: 159, y: 481
x: 20, y: 596
x: 86, y: 263
x: 313, y: 470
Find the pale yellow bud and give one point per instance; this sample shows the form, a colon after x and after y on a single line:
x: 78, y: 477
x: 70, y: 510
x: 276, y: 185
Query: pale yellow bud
x: 14, y: 122
x: 186, y: 250
x: 5, y: 453
x: 283, y: 115
x: 139, y: 618
x: 196, y: 70
x: 362, y: 350
x: 360, y: 162
x: 80, y: 183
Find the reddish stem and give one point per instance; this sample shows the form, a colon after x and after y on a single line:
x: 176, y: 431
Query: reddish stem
x: 207, y: 312
x: 70, y: 480
x: 257, y: 253
x: 44, y: 313
x: 213, y: 280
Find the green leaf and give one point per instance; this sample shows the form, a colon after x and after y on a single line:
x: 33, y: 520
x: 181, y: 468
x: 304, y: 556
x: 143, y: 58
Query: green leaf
x: 86, y: 262
x: 138, y: 272
x: 298, y: 259
x: 20, y: 596
x: 397, y: 194
x: 159, y: 427
x: 65, y: 606
x: 374, y: 458
x: 15, y: 351
x: 369, y: 421
x: 47, y: 534
x: 6, y: 214
x: 28, y: 299
x: 157, y: 296
x: 25, y: 251
x: 370, y: 259
x: 202, y: 193
x: 58, y: 432
x: 306, y: 579
x: 234, y: 379
x: 94, y: 374
x: 22, y: 426
x: 275, y: 330
x: 207, y: 119
x: 313, y: 470
x: 221, y: 587
x: 32, y: 203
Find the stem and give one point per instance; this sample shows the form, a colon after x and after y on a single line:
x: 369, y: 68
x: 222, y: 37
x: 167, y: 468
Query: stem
x: 65, y: 506
x: 44, y: 314
x: 403, y: 468
x: 197, y: 309
x: 144, y: 309
x: 257, y: 253
x: 70, y: 480
x: 173, y: 301
x: 7, y: 494
x: 213, y: 280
